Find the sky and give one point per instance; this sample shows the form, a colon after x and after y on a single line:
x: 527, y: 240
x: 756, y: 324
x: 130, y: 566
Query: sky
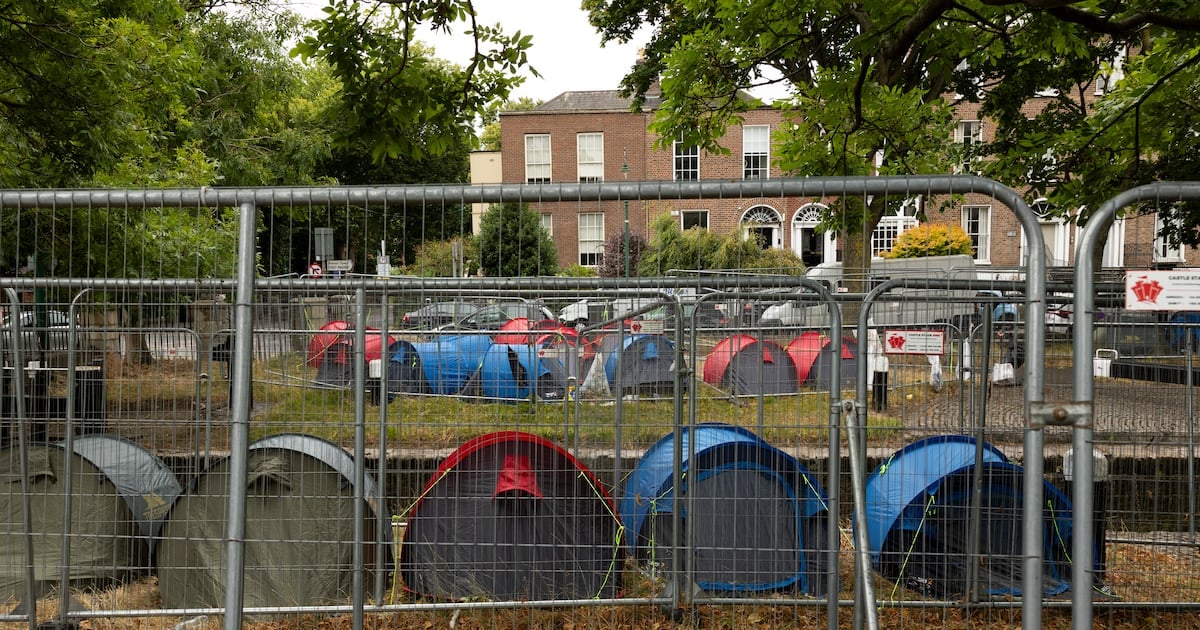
x: 566, y: 49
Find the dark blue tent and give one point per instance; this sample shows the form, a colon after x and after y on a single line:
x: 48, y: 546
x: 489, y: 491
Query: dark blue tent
x: 919, y: 515
x: 635, y: 364
x: 756, y: 516
x: 518, y: 372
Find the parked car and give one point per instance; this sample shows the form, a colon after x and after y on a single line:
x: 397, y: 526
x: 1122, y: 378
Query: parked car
x: 439, y: 314
x: 493, y: 316
x: 1059, y: 319
x: 55, y: 332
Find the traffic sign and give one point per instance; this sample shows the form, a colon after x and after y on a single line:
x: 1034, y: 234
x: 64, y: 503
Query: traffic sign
x: 315, y: 269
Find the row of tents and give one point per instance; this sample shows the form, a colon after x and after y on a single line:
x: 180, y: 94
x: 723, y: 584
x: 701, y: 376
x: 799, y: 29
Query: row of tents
x: 746, y: 365
x: 524, y: 361
x: 520, y: 362
x: 514, y: 516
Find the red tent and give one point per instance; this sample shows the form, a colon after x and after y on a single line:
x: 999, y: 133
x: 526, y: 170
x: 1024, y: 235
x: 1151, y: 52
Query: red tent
x: 719, y: 357
x: 512, y: 516
x: 322, y: 341
x: 511, y: 332
x: 812, y: 353
x: 339, y: 336
x: 747, y: 366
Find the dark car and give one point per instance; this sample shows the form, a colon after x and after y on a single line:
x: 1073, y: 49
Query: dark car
x: 439, y: 314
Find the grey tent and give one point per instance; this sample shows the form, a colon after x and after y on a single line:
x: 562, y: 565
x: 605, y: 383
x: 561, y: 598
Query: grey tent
x: 120, y: 493
x: 299, y: 540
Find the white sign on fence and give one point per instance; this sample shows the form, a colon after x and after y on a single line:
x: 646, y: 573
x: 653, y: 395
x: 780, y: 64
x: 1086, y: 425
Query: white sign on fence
x: 1172, y: 290
x: 646, y: 326
x: 339, y: 265
x: 914, y: 341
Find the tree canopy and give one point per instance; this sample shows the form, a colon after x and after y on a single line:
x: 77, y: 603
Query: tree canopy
x: 672, y: 248
x: 512, y: 242
x: 159, y: 93
x: 872, y: 85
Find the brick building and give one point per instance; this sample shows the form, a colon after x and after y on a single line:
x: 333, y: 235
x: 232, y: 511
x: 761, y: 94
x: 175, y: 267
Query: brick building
x: 594, y: 137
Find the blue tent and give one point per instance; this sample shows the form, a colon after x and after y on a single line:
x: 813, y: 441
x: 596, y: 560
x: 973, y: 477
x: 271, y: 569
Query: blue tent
x: 756, y: 516
x: 517, y: 372
x: 440, y: 366
x: 918, y: 520
x: 636, y: 364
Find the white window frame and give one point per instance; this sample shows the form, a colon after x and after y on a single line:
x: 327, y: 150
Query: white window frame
x: 968, y: 134
x: 547, y: 222
x: 589, y: 152
x: 1116, y: 72
x: 591, y: 239
x: 686, y: 162
x: 893, y: 224
x: 756, y: 152
x: 1055, y: 235
x: 702, y: 223
x: 537, y: 158
x: 981, y: 232
x: 1164, y: 252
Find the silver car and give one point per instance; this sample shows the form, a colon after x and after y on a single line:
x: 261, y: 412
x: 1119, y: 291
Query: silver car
x: 55, y: 331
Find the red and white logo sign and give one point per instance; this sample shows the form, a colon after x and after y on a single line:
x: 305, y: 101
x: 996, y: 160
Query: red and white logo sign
x: 1163, y: 290
x: 315, y: 270
x: 914, y: 342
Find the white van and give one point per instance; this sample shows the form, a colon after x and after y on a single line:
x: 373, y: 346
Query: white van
x: 935, y: 306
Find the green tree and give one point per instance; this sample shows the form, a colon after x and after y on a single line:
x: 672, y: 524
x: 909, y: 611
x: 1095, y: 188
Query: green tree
x: 392, y: 86
x: 512, y: 242
x: 870, y: 84
x: 931, y: 239
x: 672, y: 248
x: 446, y: 259
x: 84, y: 83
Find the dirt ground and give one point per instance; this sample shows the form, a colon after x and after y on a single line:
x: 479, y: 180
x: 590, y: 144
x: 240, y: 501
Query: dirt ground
x: 1125, y: 412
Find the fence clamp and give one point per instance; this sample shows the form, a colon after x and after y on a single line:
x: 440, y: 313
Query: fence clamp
x: 1077, y: 415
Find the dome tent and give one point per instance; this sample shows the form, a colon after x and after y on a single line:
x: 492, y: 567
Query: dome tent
x: 639, y: 364
x: 919, y: 513
x: 812, y: 351
x: 120, y: 492
x: 299, y: 540
x: 330, y: 351
x: 510, y: 515
x: 517, y: 372
x: 748, y: 366
x: 757, y: 517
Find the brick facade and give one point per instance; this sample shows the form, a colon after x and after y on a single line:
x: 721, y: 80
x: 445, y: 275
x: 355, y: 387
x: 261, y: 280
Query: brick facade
x: 627, y: 140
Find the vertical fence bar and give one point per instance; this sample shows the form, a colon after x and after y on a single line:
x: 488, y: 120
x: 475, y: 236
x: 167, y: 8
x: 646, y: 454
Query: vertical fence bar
x: 64, y: 600
x: 382, y: 517
x: 360, y: 455
x: 239, y: 431
x: 1084, y: 382
x: 18, y: 384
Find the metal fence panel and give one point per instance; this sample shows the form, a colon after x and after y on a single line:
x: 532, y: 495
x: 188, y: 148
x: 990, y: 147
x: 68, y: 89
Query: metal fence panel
x: 401, y: 468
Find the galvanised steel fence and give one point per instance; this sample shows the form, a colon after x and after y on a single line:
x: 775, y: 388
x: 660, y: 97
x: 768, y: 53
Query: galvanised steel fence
x: 189, y: 441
